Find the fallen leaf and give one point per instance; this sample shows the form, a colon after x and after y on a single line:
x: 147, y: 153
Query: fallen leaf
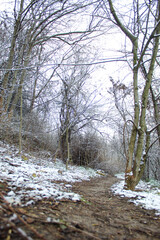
x: 9, y: 234
x: 63, y: 227
x: 25, y: 158
x: 30, y: 220
x: 21, y: 210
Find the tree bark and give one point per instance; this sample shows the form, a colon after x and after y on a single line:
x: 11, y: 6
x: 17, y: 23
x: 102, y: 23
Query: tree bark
x: 134, y: 166
x: 12, y: 49
x: 156, y: 112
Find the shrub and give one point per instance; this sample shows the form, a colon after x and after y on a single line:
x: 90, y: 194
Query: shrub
x: 86, y: 149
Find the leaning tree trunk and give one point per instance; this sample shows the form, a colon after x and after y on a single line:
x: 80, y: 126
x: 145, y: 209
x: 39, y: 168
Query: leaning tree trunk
x: 23, y: 73
x: 11, y: 56
x: 156, y: 113
x: 134, y: 165
x: 139, y: 161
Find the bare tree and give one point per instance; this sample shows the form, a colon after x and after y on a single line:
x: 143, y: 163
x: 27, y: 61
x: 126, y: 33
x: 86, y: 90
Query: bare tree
x: 36, y: 23
x: 143, y: 33
x: 76, y: 106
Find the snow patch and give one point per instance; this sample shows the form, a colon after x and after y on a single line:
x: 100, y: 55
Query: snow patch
x: 31, y: 179
x: 146, y: 194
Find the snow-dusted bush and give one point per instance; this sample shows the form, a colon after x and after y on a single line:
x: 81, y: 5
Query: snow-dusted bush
x: 35, y: 133
x: 86, y: 149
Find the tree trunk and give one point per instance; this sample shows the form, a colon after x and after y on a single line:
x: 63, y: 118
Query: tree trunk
x: 18, y: 94
x: 156, y: 112
x: 130, y: 156
x: 12, y: 51
x: 132, y: 180
x: 20, y: 125
x: 134, y: 168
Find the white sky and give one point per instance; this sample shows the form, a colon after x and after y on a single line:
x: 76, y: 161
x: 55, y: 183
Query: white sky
x: 107, y: 47
x: 6, y: 5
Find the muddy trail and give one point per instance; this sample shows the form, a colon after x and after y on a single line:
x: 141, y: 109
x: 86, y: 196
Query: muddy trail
x: 99, y: 215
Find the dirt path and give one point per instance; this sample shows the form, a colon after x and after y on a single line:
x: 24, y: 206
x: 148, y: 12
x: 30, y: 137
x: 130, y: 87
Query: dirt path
x: 99, y: 216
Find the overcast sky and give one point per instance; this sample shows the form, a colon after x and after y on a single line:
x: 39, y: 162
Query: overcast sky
x: 108, y: 47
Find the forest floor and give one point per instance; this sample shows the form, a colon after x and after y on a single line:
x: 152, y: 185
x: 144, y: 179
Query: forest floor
x: 99, y: 215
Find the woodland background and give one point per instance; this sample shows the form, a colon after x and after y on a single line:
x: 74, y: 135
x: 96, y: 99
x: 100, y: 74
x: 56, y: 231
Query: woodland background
x: 54, y: 94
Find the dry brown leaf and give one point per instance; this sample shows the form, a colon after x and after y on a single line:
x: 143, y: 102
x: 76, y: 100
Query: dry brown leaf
x: 30, y: 220
x: 21, y: 210
x: 9, y: 234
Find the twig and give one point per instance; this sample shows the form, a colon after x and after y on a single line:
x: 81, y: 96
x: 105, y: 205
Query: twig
x: 152, y: 144
x: 84, y: 232
x: 21, y: 219
x: 12, y: 164
x: 57, y: 222
x: 154, y: 127
x: 13, y: 226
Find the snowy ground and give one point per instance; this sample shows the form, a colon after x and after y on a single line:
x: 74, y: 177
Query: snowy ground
x: 147, y: 194
x: 31, y: 179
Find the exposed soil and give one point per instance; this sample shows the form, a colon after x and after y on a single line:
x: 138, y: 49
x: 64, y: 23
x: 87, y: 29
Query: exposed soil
x: 100, y: 215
